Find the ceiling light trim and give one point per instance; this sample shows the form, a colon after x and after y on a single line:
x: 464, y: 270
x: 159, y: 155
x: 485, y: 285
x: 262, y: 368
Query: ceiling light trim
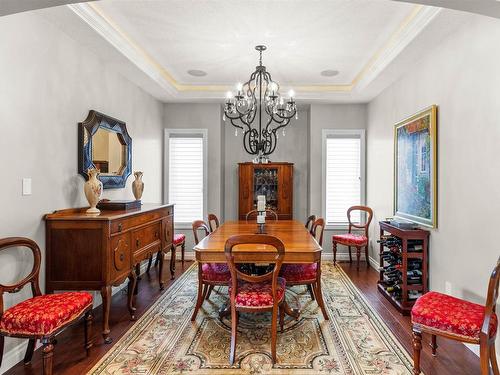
x: 99, y: 21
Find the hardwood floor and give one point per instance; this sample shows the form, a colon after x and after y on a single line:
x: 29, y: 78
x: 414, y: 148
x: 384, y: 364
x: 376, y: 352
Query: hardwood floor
x: 452, y: 359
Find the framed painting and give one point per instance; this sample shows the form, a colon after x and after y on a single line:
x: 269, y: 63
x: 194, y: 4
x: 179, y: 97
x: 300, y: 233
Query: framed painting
x: 415, y: 168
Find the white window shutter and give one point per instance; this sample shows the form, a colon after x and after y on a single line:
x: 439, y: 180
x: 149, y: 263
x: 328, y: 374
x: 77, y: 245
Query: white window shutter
x: 343, y: 178
x: 185, y: 177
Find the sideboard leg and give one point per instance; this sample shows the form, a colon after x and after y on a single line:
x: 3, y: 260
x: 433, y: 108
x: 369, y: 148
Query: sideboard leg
x: 106, y: 305
x: 131, y: 288
x: 172, y: 262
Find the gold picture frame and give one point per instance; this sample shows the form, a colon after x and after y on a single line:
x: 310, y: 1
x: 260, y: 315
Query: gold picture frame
x: 415, y: 168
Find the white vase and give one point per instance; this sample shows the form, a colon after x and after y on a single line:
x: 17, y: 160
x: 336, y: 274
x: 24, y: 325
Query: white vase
x: 138, y: 185
x: 93, y: 191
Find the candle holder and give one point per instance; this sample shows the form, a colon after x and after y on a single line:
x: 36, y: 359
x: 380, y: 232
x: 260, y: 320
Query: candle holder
x: 261, y: 222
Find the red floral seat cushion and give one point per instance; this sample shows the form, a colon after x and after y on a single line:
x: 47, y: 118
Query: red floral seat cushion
x: 215, y: 272
x: 451, y: 315
x: 258, y: 294
x: 296, y: 273
x: 350, y: 239
x: 43, y: 315
x: 178, y: 239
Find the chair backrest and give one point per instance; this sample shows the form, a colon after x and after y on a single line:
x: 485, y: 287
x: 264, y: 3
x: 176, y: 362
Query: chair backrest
x: 233, y: 257
x: 317, y: 230
x: 491, y: 300
x: 255, y: 213
x: 32, y: 278
x: 369, y: 216
x: 310, y: 221
x: 212, y: 218
x: 199, y: 225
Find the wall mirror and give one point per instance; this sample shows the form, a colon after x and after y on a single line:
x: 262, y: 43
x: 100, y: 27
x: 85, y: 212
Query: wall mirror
x: 103, y: 143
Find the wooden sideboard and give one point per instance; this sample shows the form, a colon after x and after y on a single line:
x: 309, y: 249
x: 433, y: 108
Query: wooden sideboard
x: 87, y: 252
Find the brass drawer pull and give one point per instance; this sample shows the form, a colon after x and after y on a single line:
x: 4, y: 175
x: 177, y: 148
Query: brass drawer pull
x: 156, y: 234
x: 122, y: 256
x: 137, y: 242
x: 119, y: 227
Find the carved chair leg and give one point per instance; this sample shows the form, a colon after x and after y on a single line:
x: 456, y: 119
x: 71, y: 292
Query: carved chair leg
x: 493, y: 359
x: 158, y: 257
x: 367, y: 257
x: 150, y: 263
x: 274, y: 332
x: 183, y: 249
x: 234, y: 333
x: 47, y: 354
x: 433, y: 344
x: 29, y: 351
x: 131, y: 293
x: 199, y: 299
x: 358, y: 256
x: 350, y: 254
x: 172, y: 262
x: 417, y: 347
x: 209, y: 291
x: 2, y: 340
x: 484, y: 357
x: 88, y: 331
x: 334, y: 246
x: 310, y: 289
x: 319, y: 299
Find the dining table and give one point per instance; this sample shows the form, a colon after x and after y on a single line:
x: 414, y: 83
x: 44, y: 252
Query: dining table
x: 300, y: 246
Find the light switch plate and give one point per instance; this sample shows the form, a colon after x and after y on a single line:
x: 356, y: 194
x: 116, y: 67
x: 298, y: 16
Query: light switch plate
x: 26, y: 186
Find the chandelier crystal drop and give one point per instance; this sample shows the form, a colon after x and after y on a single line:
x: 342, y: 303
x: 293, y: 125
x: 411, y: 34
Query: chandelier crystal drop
x: 259, y: 100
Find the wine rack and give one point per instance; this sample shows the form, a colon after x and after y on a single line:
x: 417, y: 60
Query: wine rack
x: 403, y: 265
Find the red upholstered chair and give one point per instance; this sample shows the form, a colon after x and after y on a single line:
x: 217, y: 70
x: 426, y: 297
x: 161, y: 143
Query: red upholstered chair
x: 179, y: 239
x: 43, y: 316
x: 213, y: 219
x: 209, y: 274
x: 308, y: 274
x: 354, y: 240
x: 442, y: 315
x: 254, y: 294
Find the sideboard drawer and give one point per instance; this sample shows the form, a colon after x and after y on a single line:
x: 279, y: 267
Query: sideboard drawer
x: 120, y: 262
x: 145, y: 236
x: 122, y: 225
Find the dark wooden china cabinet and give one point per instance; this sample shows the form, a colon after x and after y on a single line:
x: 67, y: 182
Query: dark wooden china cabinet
x: 274, y: 180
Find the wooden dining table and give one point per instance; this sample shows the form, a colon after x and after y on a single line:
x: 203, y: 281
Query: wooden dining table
x: 300, y: 246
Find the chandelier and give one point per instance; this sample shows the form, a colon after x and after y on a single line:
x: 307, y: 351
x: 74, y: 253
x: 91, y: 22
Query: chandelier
x: 259, y: 100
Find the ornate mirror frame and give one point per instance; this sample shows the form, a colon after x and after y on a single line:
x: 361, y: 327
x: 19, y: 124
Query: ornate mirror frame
x: 86, y: 129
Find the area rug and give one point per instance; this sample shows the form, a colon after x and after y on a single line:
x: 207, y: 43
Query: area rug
x: 164, y: 341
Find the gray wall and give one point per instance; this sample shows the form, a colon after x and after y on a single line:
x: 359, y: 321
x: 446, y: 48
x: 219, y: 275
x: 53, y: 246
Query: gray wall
x: 291, y: 148
x: 460, y: 75
x: 49, y: 83
x: 328, y: 116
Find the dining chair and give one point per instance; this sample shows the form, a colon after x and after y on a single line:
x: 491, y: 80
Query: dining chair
x: 352, y: 239
x: 310, y: 221
x: 179, y: 240
x: 308, y: 274
x: 41, y: 317
x: 255, y: 294
x: 212, y: 218
x: 251, y: 214
x: 209, y: 274
x: 453, y: 318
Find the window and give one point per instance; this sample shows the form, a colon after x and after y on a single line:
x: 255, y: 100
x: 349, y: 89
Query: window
x: 343, y: 174
x: 186, y: 162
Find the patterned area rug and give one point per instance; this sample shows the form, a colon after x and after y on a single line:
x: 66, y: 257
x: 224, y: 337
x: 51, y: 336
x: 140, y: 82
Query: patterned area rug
x: 165, y: 341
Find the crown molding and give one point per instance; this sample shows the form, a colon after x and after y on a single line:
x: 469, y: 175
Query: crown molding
x: 408, y: 30
x: 101, y: 23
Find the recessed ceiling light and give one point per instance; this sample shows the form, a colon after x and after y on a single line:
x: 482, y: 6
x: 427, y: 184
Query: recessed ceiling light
x: 197, y: 73
x: 329, y: 73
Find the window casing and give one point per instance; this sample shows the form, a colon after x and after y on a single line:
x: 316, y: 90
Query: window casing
x: 186, y: 174
x: 343, y: 177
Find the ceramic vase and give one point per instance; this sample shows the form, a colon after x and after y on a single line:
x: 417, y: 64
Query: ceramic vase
x: 138, y: 185
x: 93, y: 191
